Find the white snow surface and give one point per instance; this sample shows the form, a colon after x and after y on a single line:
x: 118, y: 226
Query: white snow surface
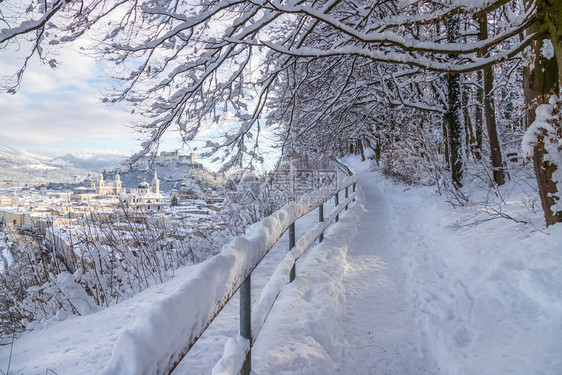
x: 547, y: 49
x: 542, y: 123
x: 398, y: 286
x: 547, y: 123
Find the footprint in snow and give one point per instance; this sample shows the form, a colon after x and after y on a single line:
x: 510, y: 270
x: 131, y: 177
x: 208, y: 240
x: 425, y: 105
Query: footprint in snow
x: 463, y: 337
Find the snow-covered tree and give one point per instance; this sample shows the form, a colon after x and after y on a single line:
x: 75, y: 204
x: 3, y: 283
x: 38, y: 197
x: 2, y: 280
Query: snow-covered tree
x: 245, y: 64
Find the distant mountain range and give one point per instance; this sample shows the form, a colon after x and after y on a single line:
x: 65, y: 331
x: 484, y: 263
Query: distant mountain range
x: 21, y: 167
x: 92, y: 161
x: 18, y: 168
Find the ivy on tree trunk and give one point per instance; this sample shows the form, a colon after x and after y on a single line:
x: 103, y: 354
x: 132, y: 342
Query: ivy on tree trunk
x: 452, y: 115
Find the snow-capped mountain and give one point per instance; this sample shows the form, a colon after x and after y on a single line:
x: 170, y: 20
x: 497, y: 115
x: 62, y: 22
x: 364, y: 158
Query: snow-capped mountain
x: 95, y: 161
x: 5, y: 150
x: 22, y: 167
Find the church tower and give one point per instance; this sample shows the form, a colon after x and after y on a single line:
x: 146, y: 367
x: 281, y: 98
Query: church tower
x: 100, y: 188
x: 117, y: 184
x: 156, y: 183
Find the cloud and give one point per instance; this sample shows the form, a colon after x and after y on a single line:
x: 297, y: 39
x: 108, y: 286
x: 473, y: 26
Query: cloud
x: 61, y: 108
x: 57, y: 111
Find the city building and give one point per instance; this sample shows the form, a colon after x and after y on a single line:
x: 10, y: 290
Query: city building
x: 146, y: 197
x: 107, y: 188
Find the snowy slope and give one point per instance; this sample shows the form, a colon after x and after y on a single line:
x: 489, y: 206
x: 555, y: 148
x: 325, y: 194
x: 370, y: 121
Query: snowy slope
x: 400, y: 286
x: 26, y: 168
x: 484, y: 298
x: 9, y: 154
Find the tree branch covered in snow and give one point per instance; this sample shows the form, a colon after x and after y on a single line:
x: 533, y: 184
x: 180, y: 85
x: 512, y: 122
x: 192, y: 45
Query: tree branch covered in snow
x: 194, y: 65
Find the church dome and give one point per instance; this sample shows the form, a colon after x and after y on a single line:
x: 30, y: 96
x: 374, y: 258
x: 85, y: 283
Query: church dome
x: 144, y: 185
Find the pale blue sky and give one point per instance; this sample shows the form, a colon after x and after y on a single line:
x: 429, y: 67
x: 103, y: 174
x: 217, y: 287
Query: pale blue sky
x: 59, y: 110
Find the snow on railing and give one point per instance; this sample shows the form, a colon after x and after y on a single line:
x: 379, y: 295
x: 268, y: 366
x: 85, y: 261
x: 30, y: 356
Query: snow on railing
x: 160, y: 337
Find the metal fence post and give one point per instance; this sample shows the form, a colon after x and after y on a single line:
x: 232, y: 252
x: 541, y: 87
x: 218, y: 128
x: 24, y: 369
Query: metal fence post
x: 346, y: 195
x: 291, y: 245
x: 321, y: 219
x: 246, y: 320
x: 337, y: 203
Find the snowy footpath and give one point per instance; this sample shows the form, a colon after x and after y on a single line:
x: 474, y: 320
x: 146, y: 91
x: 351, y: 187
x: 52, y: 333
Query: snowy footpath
x: 422, y: 288
x: 348, y: 311
x: 379, y: 325
x: 403, y: 284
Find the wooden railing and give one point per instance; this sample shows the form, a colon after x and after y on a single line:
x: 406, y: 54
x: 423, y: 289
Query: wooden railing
x: 199, y: 300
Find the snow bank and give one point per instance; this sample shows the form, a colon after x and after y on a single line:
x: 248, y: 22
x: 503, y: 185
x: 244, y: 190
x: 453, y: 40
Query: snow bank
x: 232, y: 360
x: 486, y: 298
x: 301, y: 334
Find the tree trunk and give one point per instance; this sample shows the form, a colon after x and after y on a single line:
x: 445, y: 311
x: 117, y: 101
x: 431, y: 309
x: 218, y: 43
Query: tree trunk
x: 490, y: 114
x: 378, y: 149
x: 452, y: 116
x: 469, y: 133
x: 361, y: 149
x: 549, y: 13
x: 446, y: 144
x: 478, y: 117
x: 491, y: 126
x: 547, y: 186
x: 538, y: 83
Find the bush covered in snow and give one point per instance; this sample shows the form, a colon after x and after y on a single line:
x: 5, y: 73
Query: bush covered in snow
x: 107, y: 265
x: 414, y: 152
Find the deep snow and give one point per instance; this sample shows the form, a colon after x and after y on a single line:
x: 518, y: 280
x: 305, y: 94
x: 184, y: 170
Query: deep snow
x: 399, y: 286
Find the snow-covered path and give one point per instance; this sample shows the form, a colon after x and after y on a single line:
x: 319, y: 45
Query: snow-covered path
x: 378, y: 326
x: 422, y: 291
x: 349, y: 311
